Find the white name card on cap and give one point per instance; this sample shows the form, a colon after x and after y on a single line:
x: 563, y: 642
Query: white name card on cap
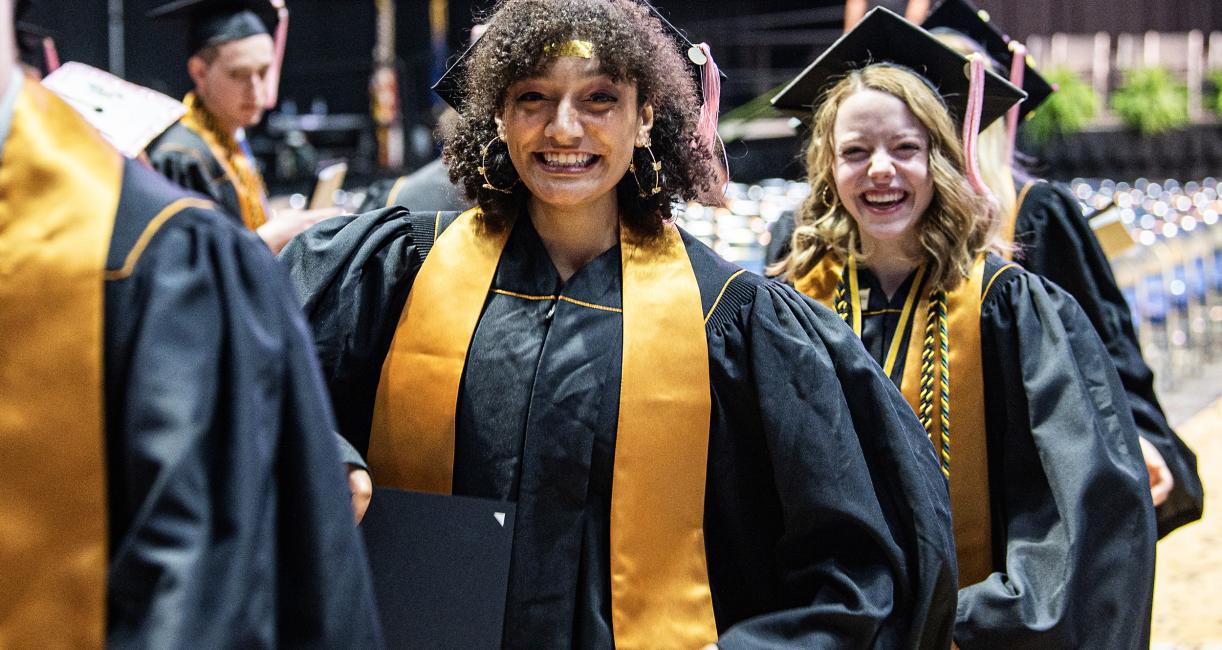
x: 127, y: 115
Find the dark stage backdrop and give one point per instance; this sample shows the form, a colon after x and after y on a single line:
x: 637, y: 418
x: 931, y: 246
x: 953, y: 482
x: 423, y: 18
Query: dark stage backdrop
x: 329, y: 52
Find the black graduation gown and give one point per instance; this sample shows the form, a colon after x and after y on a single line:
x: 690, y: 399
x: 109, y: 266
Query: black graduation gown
x: 1073, y: 528
x: 427, y: 189
x: 230, y: 521
x: 826, y: 519
x: 1056, y: 242
x: 182, y: 156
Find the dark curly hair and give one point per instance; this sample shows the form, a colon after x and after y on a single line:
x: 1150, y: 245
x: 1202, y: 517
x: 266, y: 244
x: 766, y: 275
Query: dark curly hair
x: 631, y: 45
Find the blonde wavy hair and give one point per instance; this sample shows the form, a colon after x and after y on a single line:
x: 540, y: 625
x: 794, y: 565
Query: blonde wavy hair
x: 993, y: 145
x: 958, y: 225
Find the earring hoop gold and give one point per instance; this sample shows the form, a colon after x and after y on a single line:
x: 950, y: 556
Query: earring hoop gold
x: 483, y: 169
x: 654, y: 164
x: 825, y: 195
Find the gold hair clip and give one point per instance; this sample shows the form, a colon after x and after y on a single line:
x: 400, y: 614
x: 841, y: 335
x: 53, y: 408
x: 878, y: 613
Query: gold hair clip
x: 574, y: 48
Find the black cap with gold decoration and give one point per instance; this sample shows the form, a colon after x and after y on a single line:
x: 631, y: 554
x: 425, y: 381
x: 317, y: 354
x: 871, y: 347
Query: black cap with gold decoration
x: 449, y: 86
x: 884, y: 37
x: 965, y: 18
x: 213, y: 22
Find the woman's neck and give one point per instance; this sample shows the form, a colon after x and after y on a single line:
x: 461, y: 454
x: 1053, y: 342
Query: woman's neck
x: 575, y: 235
x: 891, y: 262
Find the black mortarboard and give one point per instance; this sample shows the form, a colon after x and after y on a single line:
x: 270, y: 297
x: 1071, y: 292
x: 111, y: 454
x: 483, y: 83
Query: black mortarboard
x: 212, y: 22
x: 449, y: 85
x: 884, y: 37
x: 35, y: 45
x: 963, y: 17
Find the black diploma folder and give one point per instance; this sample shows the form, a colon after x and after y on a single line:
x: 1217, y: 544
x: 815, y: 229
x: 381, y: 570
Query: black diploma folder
x: 440, y: 568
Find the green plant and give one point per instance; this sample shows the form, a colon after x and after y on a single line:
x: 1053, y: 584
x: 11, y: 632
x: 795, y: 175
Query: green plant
x: 1151, y: 100
x: 1066, y: 111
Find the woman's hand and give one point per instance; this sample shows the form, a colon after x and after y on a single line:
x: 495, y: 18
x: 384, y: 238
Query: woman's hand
x: 361, y: 486
x: 1161, y: 481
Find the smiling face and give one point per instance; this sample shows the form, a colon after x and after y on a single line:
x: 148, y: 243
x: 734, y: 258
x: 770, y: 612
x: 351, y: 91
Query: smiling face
x: 570, y: 132
x: 882, y: 169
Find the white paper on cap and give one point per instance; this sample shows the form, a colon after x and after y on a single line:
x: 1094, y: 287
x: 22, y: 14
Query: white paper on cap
x: 126, y: 114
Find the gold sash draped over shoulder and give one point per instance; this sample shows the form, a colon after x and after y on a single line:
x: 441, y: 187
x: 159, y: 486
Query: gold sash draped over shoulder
x: 59, y: 190
x: 969, y: 467
x: 660, y: 594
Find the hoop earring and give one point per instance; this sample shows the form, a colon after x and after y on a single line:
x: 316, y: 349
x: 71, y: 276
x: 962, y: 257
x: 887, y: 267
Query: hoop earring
x: 656, y: 165
x: 825, y: 195
x: 483, y: 169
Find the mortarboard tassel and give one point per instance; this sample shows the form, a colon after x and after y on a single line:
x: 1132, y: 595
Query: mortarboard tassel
x: 971, y: 123
x: 282, y: 33
x: 1018, y: 65
x: 706, y: 126
x: 50, y: 54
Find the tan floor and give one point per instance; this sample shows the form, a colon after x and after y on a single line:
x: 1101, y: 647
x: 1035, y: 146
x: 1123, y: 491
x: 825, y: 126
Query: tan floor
x: 1188, y: 583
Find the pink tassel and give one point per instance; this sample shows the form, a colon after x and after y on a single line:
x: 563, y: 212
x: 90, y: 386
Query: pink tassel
x: 50, y: 54
x: 971, y: 123
x: 282, y: 34
x: 1018, y: 65
x: 706, y: 126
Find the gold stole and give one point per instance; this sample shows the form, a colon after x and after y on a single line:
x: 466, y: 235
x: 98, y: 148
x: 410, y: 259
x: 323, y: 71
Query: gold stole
x: 660, y: 595
x: 238, y: 167
x: 969, y: 468
x: 59, y: 190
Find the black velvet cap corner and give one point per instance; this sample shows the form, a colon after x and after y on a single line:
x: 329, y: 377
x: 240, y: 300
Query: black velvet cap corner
x: 448, y: 87
x: 884, y: 37
x: 213, y: 22
x: 964, y: 17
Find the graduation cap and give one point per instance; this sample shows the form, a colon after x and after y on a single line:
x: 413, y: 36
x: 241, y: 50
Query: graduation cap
x: 884, y: 37
x: 214, y: 22
x: 35, y: 45
x: 448, y: 87
x: 963, y: 17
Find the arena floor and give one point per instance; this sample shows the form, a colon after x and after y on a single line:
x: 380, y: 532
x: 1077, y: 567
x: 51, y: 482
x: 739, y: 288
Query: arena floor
x: 1188, y: 583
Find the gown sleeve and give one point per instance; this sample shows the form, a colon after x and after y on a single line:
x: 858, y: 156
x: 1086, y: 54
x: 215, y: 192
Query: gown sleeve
x: 1057, y: 243
x: 231, y: 524
x: 353, y: 275
x: 865, y: 554
x: 1074, y: 528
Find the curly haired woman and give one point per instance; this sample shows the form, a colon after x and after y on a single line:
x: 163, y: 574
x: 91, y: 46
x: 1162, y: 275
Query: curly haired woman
x: 697, y: 455
x: 1054, y: 527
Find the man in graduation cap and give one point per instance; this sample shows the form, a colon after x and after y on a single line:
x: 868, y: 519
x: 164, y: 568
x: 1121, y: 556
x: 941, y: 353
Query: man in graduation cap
x: 234, y: 65
x: 168, y: 472
x: 35, y: 46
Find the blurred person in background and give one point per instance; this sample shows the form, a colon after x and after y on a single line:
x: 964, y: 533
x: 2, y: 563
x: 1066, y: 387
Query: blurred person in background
x: 234, y: 67
x: 168, y: 469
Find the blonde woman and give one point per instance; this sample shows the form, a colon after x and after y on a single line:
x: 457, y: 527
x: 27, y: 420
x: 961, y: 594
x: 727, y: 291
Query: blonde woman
x: 1054, y: 528
x: 1050, y: 236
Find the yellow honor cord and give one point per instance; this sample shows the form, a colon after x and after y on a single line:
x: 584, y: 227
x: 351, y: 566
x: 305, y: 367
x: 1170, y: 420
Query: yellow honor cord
x: 238, y: 168
x: 969, y: 480
x: 572, y: 48
x: 660, y: 594
x: 905, y: 316
x: 854, y: 297
x: 59, y: 190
